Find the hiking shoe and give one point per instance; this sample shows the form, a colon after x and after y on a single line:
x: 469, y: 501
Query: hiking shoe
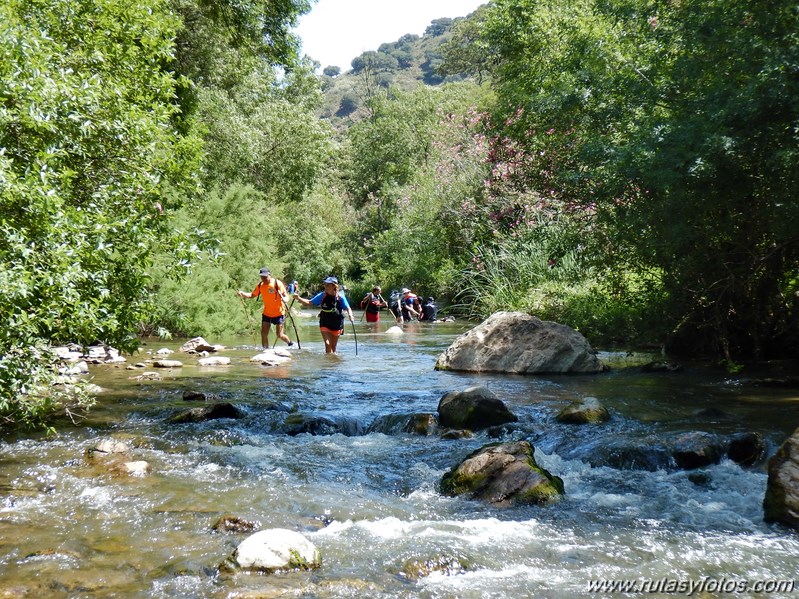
x: 290, y: 344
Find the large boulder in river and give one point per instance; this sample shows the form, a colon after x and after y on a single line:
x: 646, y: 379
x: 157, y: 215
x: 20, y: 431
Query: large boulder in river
x: 781, y: 503
x: 503, y: 475
x: 474, y: 408
x: 519, y: 343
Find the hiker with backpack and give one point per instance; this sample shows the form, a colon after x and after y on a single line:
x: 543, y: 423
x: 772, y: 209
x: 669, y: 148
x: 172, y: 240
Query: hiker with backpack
x: 410, y: 305
x: 429, y: 310
x: 273, y: 293
x: 333, y: 305
x: 371, y: 304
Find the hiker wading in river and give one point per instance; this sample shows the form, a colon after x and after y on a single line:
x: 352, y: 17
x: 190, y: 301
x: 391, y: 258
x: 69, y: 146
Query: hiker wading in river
x: 333, y: 306
x: 273, y: 294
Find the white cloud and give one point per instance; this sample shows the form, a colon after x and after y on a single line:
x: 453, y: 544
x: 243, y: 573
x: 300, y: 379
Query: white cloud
x: 336, y: 31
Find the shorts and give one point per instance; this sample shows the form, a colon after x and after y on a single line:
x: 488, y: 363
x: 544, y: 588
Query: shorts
x: 331, y: 331
x: 373, y: 317
x: 273, y: 319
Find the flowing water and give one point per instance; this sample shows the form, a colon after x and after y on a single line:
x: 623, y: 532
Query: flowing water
x: 370, y: 502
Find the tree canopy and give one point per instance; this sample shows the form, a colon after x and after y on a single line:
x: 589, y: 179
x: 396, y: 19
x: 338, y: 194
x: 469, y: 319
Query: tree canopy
x: 674, y: 126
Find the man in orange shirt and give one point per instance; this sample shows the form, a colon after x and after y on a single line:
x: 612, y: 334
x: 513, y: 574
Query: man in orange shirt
x: 273, y: 294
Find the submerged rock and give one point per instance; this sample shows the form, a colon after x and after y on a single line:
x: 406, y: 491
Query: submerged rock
x: 747, y: 449
x: 587, y: 411
x: 474, y: 408
x: 231, y: 523
x: 297, y: 424
x: 392, y: 424
x: 519, y: 343
x: 505, y: 474
x: 189, y: 395
x: 444, y: 565
x: 212, y: 412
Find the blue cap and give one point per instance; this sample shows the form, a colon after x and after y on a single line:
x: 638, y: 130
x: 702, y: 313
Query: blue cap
x: 333, y: 280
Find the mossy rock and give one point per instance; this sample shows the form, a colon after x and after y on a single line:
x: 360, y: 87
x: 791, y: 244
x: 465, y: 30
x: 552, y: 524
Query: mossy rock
x: 503, y: 474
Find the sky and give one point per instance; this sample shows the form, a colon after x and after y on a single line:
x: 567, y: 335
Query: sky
x: 336, y: 31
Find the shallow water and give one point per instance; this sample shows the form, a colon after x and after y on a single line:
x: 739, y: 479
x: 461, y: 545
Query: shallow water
x: 369, y: 502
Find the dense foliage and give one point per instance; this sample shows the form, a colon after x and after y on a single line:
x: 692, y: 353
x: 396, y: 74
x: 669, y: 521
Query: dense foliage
x: 95, y: 155
x: 622, y: 166
x: 673, y: 125
x: 87, y: 147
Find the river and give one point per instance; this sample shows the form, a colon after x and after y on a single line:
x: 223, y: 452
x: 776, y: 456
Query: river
x: 370, y: 502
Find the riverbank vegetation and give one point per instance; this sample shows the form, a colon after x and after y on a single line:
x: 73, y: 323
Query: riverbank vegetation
x: 623, y: 167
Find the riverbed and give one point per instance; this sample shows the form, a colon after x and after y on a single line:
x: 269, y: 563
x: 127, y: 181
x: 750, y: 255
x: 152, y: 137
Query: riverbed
x: 369, y: 501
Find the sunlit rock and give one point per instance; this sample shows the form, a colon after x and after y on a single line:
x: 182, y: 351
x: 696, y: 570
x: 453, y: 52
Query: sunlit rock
x: 196, y: 345
x: 147, y: 376
x: 395, y: 330
x: 518, y: 343
x: 75, y: 369
x: 273, y: 550
x: 135, y: 468
x: 231, y: 523
x: 167, y: 364
x: 109, y: 446
x: 214, y: 361
x: 272, y: 357
x: 444, y: 565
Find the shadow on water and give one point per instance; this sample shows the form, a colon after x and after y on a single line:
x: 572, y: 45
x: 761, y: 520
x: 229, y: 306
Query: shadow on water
x: 71, y: 527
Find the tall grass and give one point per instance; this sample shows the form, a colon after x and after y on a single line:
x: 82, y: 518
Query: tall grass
x: 610, y: 310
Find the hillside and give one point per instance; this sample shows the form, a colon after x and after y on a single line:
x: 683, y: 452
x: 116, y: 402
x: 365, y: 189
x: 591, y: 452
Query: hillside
x: 410, y: 61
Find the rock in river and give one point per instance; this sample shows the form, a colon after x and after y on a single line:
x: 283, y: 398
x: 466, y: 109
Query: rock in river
x: 519, y: 343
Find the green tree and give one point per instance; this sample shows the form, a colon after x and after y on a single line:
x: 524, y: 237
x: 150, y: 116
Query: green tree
x: 438, y: 27
x: 386, y: 150
x: 436, y: 215
x: 262, y: 132
x: 672, y: 126
x: 467, y: 51
x: 88, y: 149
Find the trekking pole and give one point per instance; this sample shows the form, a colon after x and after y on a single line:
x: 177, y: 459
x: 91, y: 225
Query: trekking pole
x: 354, y: 335
x: 364, y: 311
x: 291, y: 318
